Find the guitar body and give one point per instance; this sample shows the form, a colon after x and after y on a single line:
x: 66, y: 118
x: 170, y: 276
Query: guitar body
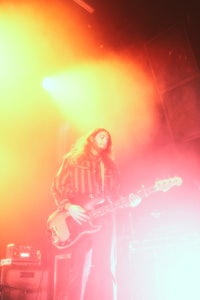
x: 66, y: 231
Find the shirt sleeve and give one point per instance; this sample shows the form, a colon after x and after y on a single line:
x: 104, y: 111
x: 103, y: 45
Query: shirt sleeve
x: 58, y: 188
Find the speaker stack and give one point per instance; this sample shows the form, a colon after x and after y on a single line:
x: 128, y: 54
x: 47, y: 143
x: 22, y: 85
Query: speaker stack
x: 22, y: 276
x: 177, y: 78
x: 61, y: 276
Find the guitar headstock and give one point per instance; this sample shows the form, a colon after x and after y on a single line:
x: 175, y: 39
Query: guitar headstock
x: 166, y: 184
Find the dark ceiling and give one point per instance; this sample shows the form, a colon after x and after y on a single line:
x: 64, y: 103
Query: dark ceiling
x: 129, y: 22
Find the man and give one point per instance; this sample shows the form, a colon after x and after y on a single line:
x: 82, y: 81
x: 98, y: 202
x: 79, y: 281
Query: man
x: 87, y: 180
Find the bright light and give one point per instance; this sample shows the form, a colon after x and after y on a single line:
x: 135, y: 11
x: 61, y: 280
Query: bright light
x: 179, y: 275
x: 48, y: 83
x: 98, y: 92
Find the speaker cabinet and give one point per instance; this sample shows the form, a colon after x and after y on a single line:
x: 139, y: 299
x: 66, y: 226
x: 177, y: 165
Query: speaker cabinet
x: 182, y: 109
x: 24, y: 283
x: 61, y: 276
x: 171, y: 58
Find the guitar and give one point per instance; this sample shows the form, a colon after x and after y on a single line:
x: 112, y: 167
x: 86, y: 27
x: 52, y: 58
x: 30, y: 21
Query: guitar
x: 65, y: 231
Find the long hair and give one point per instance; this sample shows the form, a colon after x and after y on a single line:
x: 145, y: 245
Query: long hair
x: 83, y: 146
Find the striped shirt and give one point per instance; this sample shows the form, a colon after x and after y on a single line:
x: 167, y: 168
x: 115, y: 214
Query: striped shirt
x: 89, y: 178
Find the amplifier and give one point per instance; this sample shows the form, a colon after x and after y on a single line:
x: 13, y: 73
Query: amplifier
x: 24, y: 283
x: 11, y: 261
x: 17, y: 254
x: 61, y: 276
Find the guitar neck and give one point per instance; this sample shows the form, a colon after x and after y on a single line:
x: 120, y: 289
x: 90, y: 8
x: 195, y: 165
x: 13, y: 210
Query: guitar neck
x: 103, y: 210
x: 161, y: 185
x: 121, y: 203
